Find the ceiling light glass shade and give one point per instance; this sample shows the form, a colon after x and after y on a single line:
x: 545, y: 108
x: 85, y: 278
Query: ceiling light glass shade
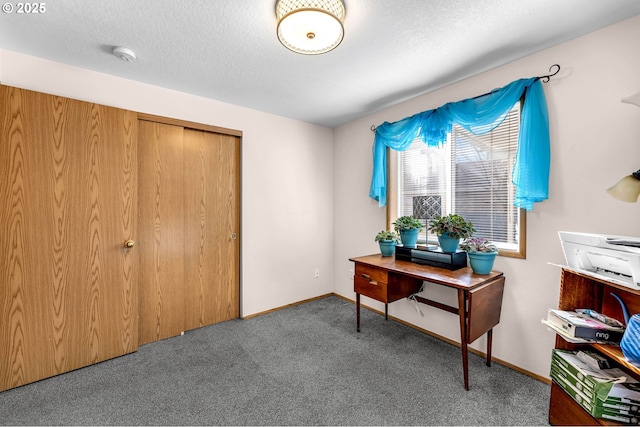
x: 310, y: 27
x: 627, y: 189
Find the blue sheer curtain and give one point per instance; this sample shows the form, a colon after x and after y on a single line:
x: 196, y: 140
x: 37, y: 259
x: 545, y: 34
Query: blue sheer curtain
x: 530, y: 174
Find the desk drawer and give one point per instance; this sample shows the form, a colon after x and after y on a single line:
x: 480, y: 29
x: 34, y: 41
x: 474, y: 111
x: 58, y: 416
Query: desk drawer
x: 371, y: 281
x: 370, y: 288
x: 371, y: 273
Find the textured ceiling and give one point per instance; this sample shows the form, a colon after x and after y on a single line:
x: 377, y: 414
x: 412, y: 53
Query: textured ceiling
x: 228, y: 50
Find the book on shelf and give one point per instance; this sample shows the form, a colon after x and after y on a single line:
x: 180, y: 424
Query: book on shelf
x: 595, y: 407
x: 599, y: 382
x: 576, y: 327
x: 604, y: 393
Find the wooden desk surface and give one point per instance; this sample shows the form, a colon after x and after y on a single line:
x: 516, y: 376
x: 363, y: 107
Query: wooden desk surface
x: 463, y: 278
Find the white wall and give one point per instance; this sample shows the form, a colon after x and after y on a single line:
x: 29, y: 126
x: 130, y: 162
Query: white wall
x: 287, y: 175
x: 595, y: 141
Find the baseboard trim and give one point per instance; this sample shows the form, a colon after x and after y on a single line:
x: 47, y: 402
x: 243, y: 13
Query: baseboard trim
x: 411, y: 325
x: 293, y: 304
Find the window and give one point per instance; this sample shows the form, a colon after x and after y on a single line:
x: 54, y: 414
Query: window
x: 471, y: 176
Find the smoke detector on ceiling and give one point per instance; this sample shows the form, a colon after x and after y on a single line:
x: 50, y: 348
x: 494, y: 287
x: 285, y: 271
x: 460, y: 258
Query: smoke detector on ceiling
x: 124, y: 53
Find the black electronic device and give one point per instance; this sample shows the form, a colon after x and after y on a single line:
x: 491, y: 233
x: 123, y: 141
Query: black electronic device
x: 432, y: 257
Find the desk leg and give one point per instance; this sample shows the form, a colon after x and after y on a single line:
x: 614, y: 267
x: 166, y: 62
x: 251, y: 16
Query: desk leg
x: 386, y: 311
x: 489, y: 339
x: 462, y: 312
x: 358, y: 312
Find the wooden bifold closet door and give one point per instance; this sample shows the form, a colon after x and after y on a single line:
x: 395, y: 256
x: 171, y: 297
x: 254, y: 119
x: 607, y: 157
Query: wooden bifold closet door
x: 68, y: 186
x: 70, y: 285
x: 189, y: 191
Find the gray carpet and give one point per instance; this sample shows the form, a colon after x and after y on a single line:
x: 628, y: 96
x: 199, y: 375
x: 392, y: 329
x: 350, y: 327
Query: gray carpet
x: 303, y: 365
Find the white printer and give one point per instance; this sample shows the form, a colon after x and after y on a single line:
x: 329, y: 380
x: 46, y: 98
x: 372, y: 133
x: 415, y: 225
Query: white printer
x: 613, y: 258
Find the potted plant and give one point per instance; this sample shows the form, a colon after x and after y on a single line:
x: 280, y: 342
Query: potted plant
x: 481, y: 252
x: 450, y: 229
x: 408, y: 227
x: 387, y: 241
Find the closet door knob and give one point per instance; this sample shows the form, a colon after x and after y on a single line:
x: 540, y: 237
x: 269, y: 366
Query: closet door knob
x: 234, y: 236
x: 129, y: 243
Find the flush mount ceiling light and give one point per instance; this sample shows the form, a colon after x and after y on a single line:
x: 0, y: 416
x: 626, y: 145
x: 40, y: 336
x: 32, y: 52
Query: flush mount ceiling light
x: 310, y: 27
x: 124, y: 53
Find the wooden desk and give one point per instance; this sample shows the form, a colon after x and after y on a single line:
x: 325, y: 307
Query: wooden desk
x: 386, y: 279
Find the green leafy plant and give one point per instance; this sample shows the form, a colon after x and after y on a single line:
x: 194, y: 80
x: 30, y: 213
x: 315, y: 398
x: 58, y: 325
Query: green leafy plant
x: 454, y: 224
x: 405, y: 223
x: 387, y: 235
x: 478, y: 244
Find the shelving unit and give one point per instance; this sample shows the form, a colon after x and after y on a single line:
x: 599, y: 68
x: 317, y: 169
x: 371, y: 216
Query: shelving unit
x: 581, y: 291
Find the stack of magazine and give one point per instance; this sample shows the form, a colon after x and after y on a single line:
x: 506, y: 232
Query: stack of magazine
x: 609, y: 394
x: 578, y: 327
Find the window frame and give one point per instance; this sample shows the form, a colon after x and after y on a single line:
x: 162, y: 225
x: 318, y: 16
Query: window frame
x: 392, y: 214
